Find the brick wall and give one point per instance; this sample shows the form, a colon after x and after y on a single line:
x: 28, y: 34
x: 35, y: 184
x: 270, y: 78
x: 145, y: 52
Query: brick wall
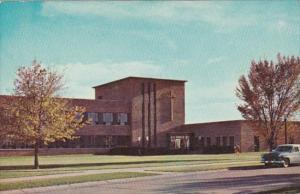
x: 131, y: 90
x: 53, y: 151
x: 213, y: 130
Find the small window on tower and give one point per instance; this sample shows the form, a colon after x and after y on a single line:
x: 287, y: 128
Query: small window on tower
x: 100, y: 97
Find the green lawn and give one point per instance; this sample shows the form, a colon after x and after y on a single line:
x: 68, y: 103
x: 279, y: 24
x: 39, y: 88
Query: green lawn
x: 88, y: 159
x: 70, y: 180
x: 4, y: 174
x: 21, y: 166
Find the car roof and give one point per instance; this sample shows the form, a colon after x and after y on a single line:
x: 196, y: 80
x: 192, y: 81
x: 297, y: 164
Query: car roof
x: 298, y: 145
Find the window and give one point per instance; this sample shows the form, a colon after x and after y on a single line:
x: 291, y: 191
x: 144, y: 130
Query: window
x: 201, y: 141
x: 231, y: 141
x: 208, y: 141
x: 256, y: 143
x: 107, y: 118
x: 180, y: 142
x: 78, y: 116
x: 218, y: 141
x: 93, y: 118
x: 100, y: 118
x: 100, y: 97
x: 225, y: 141
x: 296, y: 149
x: 122, y: 119
x: 108, y: 141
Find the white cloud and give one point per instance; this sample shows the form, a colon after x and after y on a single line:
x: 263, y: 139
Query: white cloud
x: 216, y: 60
x: 284, y: 26
x: 80, y: 78
x: 217, y: 14
x: 212, y: 103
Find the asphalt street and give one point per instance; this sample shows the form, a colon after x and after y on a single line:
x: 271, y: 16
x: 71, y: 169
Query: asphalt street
x: 234, y: 180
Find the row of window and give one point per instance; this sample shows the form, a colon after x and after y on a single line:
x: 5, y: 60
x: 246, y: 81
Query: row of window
x: 87, y: 141
x: 107, y: 118
x: 220, y: 141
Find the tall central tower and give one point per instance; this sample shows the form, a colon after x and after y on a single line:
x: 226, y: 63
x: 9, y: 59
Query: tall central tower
x: 156, y: 107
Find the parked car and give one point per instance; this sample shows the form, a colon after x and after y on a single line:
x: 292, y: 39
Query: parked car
x: 283, y: 155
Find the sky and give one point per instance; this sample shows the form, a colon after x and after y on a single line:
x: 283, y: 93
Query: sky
x: 208, y: 43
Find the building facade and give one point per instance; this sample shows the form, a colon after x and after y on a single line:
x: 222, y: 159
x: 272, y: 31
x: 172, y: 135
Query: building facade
x: 149, y: 112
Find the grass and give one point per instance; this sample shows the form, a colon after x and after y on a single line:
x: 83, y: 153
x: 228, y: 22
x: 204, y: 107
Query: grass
x: 4, y: 174
x: 107, y: 159
x: 21, y: 166
x: 70, y: 180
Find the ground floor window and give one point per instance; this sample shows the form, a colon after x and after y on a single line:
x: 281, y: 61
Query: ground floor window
x: 256, y: 143
x: 231, y: 141
x: 180, y: 142
x: 224, y: 139
x: 218, y: 141
x: 208, y: 141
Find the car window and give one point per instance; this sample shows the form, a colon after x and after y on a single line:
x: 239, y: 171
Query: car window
x: 296, y: 149
x: 284, y: 149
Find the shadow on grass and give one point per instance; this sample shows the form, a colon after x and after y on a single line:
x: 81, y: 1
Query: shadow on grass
x: 47, y: 166
x: 286, y: 190
x: 256, y: 167
x: 246, y: 184
x: 247, y: 167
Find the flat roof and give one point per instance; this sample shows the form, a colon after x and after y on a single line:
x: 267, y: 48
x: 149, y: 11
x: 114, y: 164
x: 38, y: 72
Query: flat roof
x: 216, y: 122
x: 132, y: 77
x: 230, y: 121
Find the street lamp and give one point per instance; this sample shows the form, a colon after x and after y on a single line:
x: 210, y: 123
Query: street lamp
x: 139, y: 141
x: 139, y: 148
x: 285, y: 133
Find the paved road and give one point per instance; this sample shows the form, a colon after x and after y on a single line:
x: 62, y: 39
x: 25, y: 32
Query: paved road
x: 234, y: 180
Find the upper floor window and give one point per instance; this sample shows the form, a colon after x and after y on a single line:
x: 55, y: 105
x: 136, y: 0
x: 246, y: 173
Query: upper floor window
x: 93, y: 118
x: 98, y: 118
x: 107, y: 118
x: 122, y: 118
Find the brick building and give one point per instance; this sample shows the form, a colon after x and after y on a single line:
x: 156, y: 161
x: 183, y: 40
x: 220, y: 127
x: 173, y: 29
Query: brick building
x: 149, y: 112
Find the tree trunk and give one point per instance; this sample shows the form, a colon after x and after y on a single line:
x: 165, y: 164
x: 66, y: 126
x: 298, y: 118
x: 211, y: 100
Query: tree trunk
x: 271, y: 141
x: 36, y: 155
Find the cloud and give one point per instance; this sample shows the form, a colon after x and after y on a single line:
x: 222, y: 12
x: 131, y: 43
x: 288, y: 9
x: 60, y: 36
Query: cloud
x: 216, y: 60
x: 218, y: 111
x: 218, y: 14
x: 212, y: 103
x: 80, y: 77
x: 284, y: 26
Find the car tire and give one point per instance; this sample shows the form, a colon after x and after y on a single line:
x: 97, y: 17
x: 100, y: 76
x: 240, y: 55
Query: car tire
x: 286, y: 163
x: 267, y: 165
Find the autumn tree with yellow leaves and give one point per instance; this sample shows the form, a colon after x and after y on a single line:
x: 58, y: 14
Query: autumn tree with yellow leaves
x: 35, y: 114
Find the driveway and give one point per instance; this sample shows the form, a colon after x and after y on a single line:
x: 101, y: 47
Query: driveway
x: 234, y: 180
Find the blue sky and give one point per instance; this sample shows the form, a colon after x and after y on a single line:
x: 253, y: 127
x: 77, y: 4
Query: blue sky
x: 210, y: 44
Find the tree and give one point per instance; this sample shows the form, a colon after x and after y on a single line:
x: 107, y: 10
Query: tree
x: 270, y: 93
x: 35, y: 114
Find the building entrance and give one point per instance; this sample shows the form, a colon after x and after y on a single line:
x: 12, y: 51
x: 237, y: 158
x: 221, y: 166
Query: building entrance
x: 179, y: 142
